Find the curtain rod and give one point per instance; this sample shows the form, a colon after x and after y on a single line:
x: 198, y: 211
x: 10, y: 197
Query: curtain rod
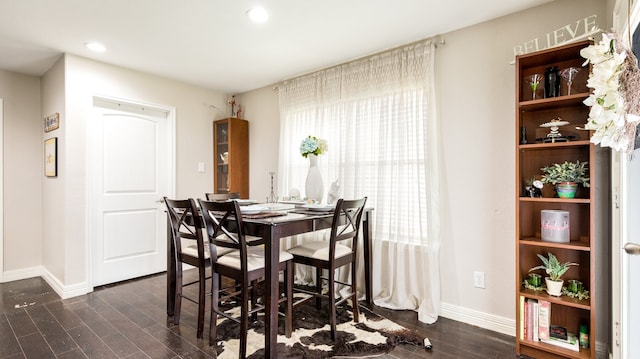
x: 440, y: 42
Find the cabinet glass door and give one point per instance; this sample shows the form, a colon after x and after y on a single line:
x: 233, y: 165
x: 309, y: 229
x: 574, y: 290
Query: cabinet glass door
x: 222, y: 157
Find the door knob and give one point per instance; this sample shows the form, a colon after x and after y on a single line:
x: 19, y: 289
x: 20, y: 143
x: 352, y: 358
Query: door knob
x: 632, y: 248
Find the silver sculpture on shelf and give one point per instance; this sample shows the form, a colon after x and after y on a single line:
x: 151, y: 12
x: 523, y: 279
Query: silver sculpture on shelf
x: 554, y: 135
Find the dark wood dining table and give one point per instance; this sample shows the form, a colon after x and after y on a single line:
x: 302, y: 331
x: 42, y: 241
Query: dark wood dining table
x: 272, y: 229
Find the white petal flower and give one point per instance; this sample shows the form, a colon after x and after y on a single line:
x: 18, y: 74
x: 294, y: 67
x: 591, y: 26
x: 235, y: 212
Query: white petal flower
x: 607, y: 116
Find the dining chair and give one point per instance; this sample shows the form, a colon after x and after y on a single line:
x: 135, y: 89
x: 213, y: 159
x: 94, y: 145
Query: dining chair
x: 222, y: 196
x: 340, y: 250
x: 190, y: 248
x: 245, y: 264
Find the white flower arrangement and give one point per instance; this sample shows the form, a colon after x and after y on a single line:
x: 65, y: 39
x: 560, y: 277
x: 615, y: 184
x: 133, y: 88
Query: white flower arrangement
x: 614, y: 99
x: 313, y: 146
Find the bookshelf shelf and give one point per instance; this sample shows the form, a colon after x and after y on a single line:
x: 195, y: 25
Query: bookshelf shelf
x: 562, y: 352
x: 564, y: 300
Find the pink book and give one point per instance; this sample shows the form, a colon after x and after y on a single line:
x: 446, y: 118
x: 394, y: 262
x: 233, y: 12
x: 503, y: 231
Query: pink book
x: 544, y: 316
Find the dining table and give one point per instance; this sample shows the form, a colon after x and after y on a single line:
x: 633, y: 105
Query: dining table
x: 272, y: 229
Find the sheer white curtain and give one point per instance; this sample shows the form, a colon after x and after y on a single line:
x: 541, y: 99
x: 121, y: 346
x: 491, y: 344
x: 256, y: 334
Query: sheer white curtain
x: 378, y: 116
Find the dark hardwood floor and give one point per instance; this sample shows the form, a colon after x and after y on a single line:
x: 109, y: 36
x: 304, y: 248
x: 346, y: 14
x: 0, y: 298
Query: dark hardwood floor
x: 128, y: 320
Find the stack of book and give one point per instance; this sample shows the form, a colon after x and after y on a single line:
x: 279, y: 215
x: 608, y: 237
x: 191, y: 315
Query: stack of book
x: 535, y: 317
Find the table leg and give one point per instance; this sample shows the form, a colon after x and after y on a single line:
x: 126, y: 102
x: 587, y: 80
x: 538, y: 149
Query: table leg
x: 366, y: 223
x: 272, y: 258
x: 171, y: 272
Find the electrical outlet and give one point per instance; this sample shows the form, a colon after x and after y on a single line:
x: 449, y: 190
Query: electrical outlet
x: 478, y: 279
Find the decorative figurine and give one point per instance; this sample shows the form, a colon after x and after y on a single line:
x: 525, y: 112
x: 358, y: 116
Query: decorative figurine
x: 239, y: 113
x: 232, y: 102
x: 534, y: 188
x: 333, y: 195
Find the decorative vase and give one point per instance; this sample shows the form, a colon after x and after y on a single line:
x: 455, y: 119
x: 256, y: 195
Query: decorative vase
x: 313, y: 186
x: 535, y: 280
x: 566, y: 189
x: 554, y: 287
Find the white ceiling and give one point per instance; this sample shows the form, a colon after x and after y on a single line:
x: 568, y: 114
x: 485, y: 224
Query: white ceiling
x: 212, y: 43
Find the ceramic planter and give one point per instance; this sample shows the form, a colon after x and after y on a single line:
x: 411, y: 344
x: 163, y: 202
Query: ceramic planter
x: 554, y: 287
x: 566, y: 189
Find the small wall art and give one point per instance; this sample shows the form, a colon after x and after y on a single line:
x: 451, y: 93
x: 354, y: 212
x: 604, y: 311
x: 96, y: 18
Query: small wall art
x: 51, y: 122
x: 51, y: 157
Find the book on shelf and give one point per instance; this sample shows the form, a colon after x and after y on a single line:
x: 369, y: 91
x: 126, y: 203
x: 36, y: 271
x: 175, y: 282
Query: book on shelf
x: 570, y: 343
x: 522, y: 317
x: 544, y: 317
x: 535, y: 317
x: 529, y: 324
x: 536, y: 321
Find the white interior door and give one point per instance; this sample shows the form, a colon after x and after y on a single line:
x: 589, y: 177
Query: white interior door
x: 630, y: 256
x: 130, y: 171
x: 1, y: 196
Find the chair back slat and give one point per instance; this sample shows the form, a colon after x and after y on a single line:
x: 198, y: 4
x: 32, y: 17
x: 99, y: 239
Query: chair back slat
x: 352, y: 211
x: 185, y: 224
x: 223, y: 226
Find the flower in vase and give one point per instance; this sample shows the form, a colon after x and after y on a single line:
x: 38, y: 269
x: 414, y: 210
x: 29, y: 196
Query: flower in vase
x: 313, y: 146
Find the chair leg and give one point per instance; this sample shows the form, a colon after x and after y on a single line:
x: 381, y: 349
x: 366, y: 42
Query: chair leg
x: 178, y: 296
x: 202, y: 290
x: 254, y: 299
x: 354, y: 293
x: 213, y: 320
x: 244, y: 319
x: 318, y: 287
x: 288, y: 287
x: 332, y: 303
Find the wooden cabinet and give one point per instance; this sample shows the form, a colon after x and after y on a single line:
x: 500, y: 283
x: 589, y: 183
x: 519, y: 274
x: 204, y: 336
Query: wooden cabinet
x: 535, y: 150
x: 231, y: 156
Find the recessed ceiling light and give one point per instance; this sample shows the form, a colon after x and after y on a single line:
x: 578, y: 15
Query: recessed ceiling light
x: 258, y: 14
x: 95, y: 46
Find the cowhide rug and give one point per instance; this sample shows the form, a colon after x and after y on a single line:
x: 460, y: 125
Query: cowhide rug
x: 373, y: 336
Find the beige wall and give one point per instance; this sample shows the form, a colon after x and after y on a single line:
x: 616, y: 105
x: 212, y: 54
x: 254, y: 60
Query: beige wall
x: 23, y: 173
x: 475, y: 87
x: 59, y: 253
x: 260, y: 109
x: 54, y: 194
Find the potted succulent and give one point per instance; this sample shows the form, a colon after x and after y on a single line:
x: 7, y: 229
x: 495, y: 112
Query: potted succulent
x: 566, y: 177
x: 555, y: 270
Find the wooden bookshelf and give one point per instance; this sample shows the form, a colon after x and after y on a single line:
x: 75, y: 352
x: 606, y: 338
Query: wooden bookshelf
x: 534, y: 152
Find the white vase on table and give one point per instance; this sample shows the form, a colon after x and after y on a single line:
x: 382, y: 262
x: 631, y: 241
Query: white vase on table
x: 313, y: 186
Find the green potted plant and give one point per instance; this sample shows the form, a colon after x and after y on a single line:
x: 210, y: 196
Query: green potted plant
x: 555, y: 270
x: 566, y: 177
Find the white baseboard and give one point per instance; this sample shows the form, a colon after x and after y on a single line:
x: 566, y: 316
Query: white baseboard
x: 23, y: 273
x: 496, y: 323
x: 480, y: 319
x: 61, y: 290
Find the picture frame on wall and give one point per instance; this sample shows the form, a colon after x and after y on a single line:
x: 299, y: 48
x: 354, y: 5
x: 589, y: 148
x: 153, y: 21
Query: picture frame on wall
x: 51, y: 157
x: 52, y: 122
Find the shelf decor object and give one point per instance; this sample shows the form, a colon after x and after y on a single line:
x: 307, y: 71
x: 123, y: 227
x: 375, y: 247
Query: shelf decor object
x: 554, y: 226
x: 534, y: 82
x: 587, y: 211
